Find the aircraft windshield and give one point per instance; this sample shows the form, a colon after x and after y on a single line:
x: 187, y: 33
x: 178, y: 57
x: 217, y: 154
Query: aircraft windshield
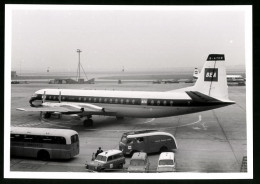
x: 34, y: 95
x: 137, y: 162
x: 101, y: 158
x: 166, y: 162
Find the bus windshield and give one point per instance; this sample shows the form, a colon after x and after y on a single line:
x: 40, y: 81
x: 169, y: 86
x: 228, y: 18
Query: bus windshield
x: 74, y: 138
x: 101, y: 158
x: 166, y: 162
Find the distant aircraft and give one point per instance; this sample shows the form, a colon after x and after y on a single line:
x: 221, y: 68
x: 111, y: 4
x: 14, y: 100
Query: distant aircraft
x: 209, y: 92
x: 231, y: 79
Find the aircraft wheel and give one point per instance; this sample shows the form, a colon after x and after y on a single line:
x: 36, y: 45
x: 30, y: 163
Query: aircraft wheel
x: 88, y: 123
x: 47, y: 115
x: 119, y: 118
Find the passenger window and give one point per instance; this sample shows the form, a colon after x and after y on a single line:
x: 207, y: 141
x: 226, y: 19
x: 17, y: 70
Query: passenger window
x: 109, y: 158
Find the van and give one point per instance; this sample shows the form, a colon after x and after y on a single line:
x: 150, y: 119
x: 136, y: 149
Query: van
x: 148, y: 141
x: 166, y: 162
x: 111, y: 159
x: 139, y: 163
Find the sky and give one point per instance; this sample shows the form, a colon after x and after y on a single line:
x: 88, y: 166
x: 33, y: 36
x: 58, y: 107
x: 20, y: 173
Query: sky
x: 111, y: 38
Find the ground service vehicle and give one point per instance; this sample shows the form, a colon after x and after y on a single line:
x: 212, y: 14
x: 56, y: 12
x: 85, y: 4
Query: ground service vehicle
x: 139, y: 163
x: 148, y: 141
x: 44, y: 143
x: 111, y: 159
x: 166, y: 162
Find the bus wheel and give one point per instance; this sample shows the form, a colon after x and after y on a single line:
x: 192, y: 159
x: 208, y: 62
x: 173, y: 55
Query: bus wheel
x: 43, y: 155
x: 163, y: 149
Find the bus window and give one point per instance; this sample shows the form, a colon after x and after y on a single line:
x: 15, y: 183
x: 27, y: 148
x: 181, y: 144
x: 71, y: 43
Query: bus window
x: 16, y: 137
x: 28, y: 138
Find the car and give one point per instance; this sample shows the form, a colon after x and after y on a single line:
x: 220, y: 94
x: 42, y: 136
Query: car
x: 111, y: 159
x: 139, y: 163
x: 166, y: 162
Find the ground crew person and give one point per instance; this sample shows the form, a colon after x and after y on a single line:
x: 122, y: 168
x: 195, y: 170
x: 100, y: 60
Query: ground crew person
x: 98, y: 151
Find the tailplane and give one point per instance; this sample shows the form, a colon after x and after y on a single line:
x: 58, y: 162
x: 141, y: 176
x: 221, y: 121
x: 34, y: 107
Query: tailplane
x: 196, y: 73
x: 212, y: 78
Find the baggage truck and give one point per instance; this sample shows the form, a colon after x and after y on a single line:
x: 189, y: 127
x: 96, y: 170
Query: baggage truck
x: 148, y: 141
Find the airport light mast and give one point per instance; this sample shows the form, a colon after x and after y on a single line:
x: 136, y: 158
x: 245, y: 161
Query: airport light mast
x: 79, y: 80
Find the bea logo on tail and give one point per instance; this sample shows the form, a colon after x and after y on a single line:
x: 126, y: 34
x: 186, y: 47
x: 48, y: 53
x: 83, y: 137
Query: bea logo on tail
x: 211, y: 74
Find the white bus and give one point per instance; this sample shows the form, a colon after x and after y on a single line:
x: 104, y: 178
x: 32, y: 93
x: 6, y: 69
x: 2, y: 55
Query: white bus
x: 44, y: 143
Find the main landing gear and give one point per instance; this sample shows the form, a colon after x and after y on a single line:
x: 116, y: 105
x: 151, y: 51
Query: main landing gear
x: 88, y: 122
x: 45, y: 115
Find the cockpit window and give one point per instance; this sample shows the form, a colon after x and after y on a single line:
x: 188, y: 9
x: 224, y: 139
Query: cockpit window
x: 34, y: 95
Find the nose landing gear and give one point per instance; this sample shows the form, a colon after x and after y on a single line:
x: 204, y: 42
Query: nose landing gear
x: 88, y: 122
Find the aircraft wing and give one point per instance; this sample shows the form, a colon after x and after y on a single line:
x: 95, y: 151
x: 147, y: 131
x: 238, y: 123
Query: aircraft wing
x: 65, y: 108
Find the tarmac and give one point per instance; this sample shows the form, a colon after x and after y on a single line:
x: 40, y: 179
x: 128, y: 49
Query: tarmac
x: 212, y: 141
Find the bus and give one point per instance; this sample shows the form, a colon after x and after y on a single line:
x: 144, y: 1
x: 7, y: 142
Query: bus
x: 148, y: 141
x: 44, y: 143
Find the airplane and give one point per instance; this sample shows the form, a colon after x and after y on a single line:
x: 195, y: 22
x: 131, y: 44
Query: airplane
x: 231, y: 79
x: 209, y: 92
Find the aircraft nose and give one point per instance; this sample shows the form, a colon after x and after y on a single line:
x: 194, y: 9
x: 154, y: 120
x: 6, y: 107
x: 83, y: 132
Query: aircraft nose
x: 35, y: 100
x: 31, y: 101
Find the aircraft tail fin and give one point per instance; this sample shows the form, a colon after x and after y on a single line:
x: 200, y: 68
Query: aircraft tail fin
x: 212, y: 78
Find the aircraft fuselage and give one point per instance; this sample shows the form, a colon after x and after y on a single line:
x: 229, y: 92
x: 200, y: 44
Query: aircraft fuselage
x: 127, y: 103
